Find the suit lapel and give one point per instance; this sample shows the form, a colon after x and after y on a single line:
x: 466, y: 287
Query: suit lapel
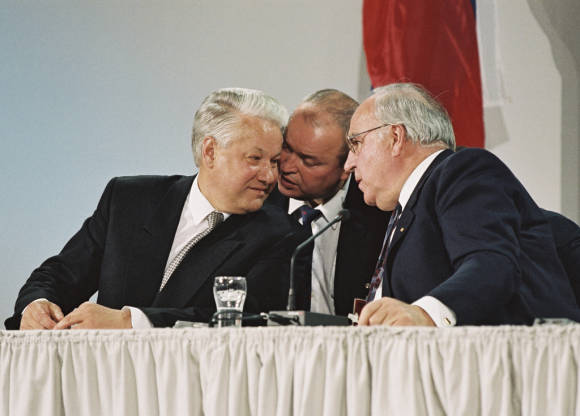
x: 408, y: 214
x: 152, y: 244
x: 416, y: 192
x: 406, y: 220
x: 201, y: 261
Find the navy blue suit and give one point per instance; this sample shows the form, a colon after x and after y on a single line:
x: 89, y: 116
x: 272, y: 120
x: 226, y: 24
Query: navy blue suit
x: 567, y: 239
x: 122, y: 250
x: 472, y: 237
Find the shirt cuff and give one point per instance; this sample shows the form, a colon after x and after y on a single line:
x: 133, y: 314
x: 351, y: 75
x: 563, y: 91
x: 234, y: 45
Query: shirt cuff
x: 138, y: 318
x: 441, y: 314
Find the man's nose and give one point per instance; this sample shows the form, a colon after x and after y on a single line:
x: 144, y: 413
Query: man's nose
x: 350, y: 163
x: 268, y: 174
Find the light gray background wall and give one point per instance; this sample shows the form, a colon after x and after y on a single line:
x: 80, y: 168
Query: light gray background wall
x: 91, y: 90
x: 537, y: 129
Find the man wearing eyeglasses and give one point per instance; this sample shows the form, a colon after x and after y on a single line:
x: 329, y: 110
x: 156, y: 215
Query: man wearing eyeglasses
x: 312, y: 180
x: 466, y: 244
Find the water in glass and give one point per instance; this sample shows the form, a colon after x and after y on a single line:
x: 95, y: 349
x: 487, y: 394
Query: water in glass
x: 229, y: 294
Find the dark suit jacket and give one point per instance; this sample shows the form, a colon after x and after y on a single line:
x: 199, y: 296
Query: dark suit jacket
x: 567, y: 238
x: 122, y: 249
x: 472, y: 237
x: 359, y: 243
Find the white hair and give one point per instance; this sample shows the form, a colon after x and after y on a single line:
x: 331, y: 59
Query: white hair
x: 425, y: 119
x: 220, y: 112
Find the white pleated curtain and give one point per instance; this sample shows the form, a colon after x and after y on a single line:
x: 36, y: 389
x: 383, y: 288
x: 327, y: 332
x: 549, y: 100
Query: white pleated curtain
x: 292, y: 371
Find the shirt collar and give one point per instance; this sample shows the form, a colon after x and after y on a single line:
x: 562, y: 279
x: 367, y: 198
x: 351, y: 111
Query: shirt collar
x: 414, y: 177
x: 198, y: 205
x: 330, y: 208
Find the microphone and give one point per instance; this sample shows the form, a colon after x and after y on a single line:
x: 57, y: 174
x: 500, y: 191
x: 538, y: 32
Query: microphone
x: 293, y: 317
x: 343, y: 215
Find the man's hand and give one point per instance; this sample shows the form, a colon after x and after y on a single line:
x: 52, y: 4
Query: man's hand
x: 92, y: 316
x: 389, y: 311
x: 40, y: 314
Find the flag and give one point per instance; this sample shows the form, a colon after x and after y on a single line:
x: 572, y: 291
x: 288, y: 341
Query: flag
x: 432, y: 43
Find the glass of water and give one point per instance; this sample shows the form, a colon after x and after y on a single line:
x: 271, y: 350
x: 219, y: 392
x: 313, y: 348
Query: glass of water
x: 229, y: 293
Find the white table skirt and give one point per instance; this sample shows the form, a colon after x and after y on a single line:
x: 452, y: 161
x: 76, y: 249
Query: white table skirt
x: 292, y: 371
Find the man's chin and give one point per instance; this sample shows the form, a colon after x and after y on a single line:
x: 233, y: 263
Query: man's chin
x: 369, y: 200
x: 387, y: 206
x: 290, y: 192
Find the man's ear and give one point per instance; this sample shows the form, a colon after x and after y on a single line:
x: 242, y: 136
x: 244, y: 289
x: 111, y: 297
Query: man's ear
x: 208, y: 151
x: 399, y: 134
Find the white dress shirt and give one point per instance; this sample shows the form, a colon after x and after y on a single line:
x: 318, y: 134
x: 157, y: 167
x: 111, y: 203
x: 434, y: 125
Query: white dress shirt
x: 193, y: 221
x: 324, y: 252
x: 437, y: 310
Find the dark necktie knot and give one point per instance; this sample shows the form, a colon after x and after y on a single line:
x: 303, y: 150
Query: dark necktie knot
x: 308, y: 214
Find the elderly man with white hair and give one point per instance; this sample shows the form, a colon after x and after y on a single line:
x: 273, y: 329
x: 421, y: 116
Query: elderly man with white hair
x: 154, y: 243
x: 466, y: 244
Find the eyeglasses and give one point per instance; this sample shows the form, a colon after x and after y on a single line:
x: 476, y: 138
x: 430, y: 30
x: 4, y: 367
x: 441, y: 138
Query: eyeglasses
x: 354, y: 144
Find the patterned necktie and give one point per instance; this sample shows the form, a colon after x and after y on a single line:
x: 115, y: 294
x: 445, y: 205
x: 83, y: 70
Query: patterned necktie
x: 379, y: 273
x: 213, y: 218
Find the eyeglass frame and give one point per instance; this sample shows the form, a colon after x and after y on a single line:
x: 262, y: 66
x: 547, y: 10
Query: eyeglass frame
x: 353, y: 144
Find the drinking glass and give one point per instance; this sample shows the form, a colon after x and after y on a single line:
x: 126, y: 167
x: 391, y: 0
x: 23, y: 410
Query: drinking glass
x: 229, y: 293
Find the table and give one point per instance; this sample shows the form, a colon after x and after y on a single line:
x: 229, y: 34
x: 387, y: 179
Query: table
x: 292, y: 371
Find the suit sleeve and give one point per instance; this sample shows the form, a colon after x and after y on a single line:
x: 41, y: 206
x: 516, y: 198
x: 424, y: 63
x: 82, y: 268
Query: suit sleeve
x: 166, y: 317
x: 70, y: 277
x: 567, y: 237
x: 478, y: 203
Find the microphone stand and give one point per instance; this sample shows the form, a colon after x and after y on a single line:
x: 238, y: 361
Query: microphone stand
x: 293, y: 317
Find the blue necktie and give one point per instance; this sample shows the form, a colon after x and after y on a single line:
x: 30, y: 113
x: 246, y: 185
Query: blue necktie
x: 308, y: 214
